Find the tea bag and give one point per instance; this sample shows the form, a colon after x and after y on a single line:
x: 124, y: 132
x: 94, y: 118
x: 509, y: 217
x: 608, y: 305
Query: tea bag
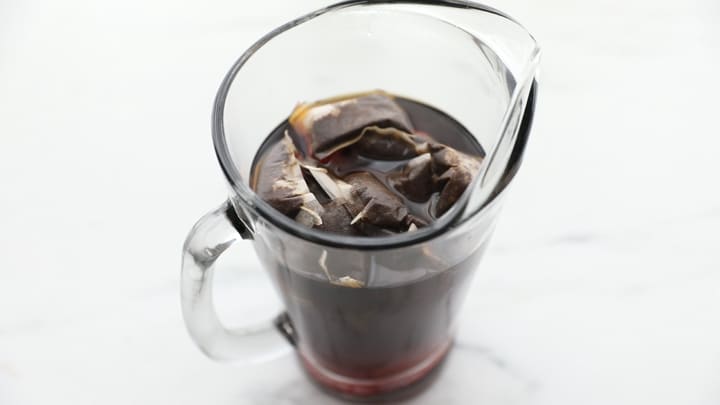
x: 374, y: 204
x: 281, y: 184
x: 330, y: 125
x: 389, y: 144
x: 337, y: 218
x: 334, y: 194
x: 415, y: 181
x: 454, y: 172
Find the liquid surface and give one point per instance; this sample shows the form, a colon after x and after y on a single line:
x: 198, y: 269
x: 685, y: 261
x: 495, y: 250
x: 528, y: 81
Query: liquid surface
x: 429, y: 125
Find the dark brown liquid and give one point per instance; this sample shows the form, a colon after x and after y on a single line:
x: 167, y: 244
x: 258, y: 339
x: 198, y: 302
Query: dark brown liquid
x: 384, y: 328
x: 376, y: 332
x: 373, y: 334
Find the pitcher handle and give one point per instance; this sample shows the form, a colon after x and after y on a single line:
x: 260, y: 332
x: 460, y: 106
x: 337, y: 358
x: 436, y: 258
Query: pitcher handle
x: 212, y: 235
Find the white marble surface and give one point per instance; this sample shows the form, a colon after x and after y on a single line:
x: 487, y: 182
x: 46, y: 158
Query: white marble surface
x: 602, y: 285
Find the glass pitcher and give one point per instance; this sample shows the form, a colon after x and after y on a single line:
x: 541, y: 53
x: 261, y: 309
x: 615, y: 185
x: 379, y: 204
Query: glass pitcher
x: 385, y: 338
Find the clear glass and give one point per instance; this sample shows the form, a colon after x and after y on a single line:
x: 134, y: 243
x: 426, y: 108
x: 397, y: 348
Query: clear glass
x: 471, y: 62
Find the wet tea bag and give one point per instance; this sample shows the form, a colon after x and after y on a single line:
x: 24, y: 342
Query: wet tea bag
x: 374, y: 204
x: 333, y: 194
x: 337, y: 218
x: 415, y: 180
x: 282, y: 185
x: 454, y: 172
x: 361, y: 205
x: 389, y: 144
x: 330, y: 125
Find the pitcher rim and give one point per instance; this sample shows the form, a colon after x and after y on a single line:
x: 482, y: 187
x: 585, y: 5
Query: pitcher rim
x: 252, y: 201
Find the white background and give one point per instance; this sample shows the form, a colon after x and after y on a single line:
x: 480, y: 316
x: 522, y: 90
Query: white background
x: 602, y: 285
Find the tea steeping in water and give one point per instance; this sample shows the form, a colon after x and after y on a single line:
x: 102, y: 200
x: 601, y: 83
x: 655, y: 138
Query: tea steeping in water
x: 366, y: 165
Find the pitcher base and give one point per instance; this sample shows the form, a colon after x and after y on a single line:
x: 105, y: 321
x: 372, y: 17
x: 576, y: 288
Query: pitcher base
x: 399, y: 386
